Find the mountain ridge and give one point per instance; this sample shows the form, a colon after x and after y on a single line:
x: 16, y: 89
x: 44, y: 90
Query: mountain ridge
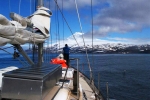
x: 103, y: 49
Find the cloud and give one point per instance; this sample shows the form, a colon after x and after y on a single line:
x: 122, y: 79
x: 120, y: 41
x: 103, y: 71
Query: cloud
x: 119, y: 16
x: 70, y: 4
x: 123, y: 16
x: 129, y: 40
x: 97, y: 41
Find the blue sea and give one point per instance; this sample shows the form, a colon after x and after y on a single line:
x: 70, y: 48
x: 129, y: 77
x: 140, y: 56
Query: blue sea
x: 127, y: 75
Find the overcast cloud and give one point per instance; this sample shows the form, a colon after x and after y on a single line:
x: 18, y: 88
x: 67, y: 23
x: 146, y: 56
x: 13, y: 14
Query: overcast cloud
x: 70, y: 4
x: 123, y: 16
x: 120, y: 16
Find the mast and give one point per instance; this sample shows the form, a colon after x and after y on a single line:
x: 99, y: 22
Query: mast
x: 40, y: 45
x: 40, y: 3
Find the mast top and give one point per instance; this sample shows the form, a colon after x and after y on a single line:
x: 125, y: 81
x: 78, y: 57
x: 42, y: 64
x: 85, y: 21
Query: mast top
x: 40, y: 3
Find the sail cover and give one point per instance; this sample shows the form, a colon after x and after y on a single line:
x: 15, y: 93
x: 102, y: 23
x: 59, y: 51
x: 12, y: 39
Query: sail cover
x: 33, y: 29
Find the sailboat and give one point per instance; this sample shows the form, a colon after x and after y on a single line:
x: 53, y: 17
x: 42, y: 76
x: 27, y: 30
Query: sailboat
x: 39, y: 81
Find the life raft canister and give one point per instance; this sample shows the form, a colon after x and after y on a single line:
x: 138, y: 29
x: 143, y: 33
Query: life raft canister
x: 59, y: 61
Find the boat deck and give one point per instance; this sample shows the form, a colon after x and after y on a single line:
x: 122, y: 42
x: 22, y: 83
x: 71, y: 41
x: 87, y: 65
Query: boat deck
x: 87, y: 89
x: 89, y: 94
x: 65, y: 93
x: 86, y: 93
x: 51, y: 94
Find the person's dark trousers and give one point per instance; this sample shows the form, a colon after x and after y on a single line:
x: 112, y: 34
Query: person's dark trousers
x: 66, y: 57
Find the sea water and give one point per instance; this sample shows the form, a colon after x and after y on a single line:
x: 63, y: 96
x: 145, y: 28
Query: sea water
x: 127, y: 75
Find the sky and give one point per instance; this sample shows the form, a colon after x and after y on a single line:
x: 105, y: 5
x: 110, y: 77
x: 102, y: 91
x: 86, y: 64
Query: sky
x: 114, y: 21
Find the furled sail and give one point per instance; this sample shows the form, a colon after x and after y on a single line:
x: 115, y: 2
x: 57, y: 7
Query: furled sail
x: 33, y: 29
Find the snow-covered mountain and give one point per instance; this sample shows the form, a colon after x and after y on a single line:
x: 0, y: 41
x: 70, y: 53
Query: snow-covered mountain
x: 105, y: 48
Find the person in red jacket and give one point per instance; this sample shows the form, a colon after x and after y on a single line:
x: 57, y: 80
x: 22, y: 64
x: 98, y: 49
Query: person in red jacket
x: 59, y: 60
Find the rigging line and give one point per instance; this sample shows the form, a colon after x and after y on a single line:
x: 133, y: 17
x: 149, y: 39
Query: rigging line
x: 44, y: 51
x: 19, y: 13
x: 50, y: 49
x: 47, y: 50
x: 92, y: 33
x: 58, y: 29
x: 32, y: 29
x: 25, y: 62
x: 49, y: 4
x: 30, y: 7
x: 83, y: 40
x: 12, y: 54
x: 35, y: 5
x: 56, y: 24
x: 63, y: 19
x: 7, y: 47
x: 66, y: 22
x: 92, y: 40
x: 9, y: 7
x: 49, y: 37
x: 19, y: 6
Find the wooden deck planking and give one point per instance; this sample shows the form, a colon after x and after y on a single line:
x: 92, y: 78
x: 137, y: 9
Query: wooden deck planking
x: 52, y: 93
x: 87, y: 89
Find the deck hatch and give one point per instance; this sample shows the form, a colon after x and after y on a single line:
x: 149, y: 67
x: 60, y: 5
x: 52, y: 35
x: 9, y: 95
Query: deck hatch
x: 30, y: 83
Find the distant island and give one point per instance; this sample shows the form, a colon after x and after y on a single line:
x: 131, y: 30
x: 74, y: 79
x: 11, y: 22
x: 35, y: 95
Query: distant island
x: 103, y: 49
